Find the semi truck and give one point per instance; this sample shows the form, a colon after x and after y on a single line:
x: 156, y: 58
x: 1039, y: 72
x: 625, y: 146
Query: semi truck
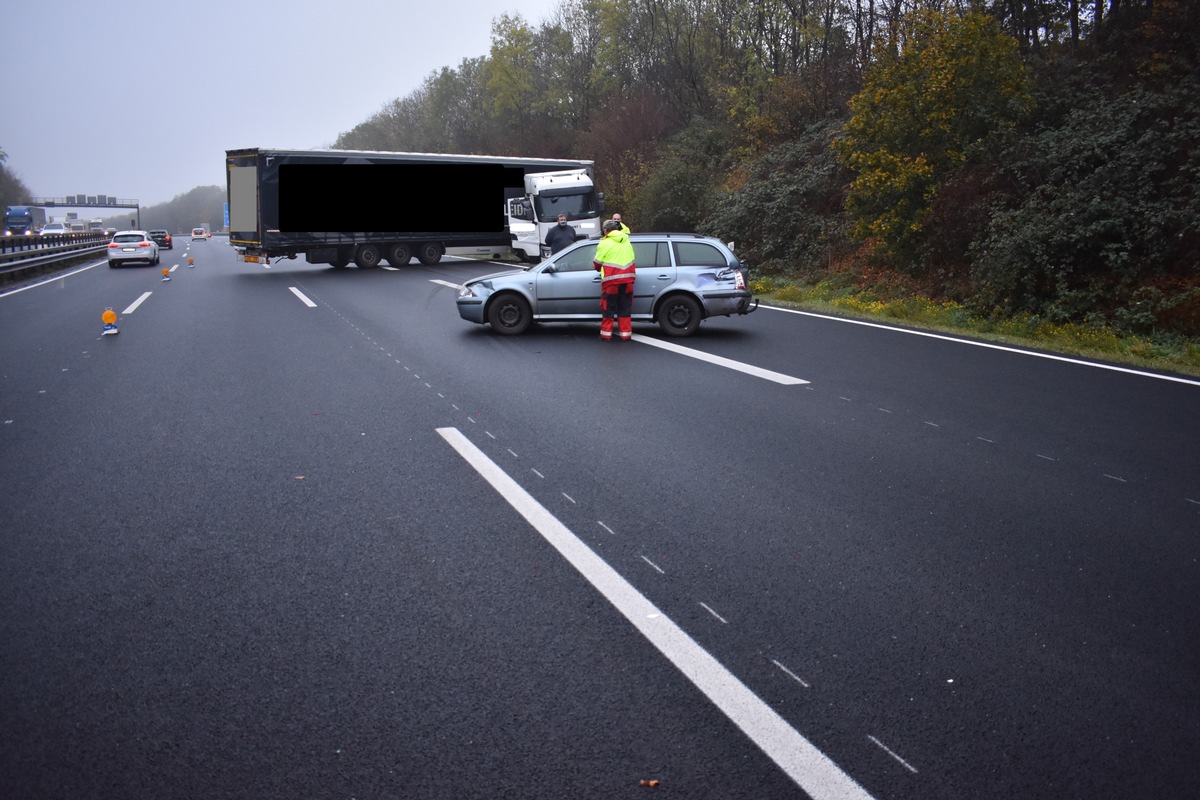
x: 23, y: 220
x: 341, y: 206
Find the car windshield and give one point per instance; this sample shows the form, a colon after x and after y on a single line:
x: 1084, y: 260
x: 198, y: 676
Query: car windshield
x: 575, y: 206
x: 129, y: 237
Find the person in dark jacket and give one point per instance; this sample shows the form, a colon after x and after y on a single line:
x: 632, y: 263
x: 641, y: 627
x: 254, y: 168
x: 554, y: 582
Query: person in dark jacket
x: 561, y: 235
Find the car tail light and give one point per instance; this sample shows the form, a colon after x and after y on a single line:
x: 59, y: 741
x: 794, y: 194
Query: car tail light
x: 113, y: 244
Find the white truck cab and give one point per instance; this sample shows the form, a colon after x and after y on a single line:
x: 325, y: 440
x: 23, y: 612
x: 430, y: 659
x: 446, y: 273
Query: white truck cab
x: 548, y: 194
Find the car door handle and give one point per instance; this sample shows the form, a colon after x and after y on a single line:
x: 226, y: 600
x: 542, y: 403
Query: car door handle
x: 596, y: 279
x: 664, y: 277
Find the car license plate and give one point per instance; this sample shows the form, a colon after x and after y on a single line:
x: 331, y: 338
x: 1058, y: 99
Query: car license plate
x: 128, y: 249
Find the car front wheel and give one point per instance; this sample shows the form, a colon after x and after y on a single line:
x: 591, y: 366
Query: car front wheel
x: 679, y: 315
x: 509, y: 314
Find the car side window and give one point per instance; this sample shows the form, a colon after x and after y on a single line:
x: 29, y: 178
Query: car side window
x: 577, y: 260
x: 651, y: 255
x: 698, y: 254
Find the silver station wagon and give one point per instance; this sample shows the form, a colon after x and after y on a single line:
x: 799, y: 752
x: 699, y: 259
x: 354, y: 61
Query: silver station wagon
x: 682, y: 278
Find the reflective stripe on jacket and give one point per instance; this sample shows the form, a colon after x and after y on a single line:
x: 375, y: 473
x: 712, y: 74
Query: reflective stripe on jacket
x: 614, y: 259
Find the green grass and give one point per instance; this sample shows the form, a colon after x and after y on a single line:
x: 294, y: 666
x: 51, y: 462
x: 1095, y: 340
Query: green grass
x: 1172, y: 354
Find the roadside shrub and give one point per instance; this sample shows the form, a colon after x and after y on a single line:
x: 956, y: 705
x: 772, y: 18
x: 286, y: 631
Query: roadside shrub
x: 787, y: 214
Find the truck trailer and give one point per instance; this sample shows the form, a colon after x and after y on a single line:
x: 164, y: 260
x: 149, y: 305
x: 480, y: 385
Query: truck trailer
x: 341, y: 206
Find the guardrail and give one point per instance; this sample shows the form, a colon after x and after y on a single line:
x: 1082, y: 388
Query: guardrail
x: 19, y: 255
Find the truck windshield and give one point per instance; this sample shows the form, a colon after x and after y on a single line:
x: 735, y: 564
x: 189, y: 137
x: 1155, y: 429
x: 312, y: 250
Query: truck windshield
x: 575, y: 206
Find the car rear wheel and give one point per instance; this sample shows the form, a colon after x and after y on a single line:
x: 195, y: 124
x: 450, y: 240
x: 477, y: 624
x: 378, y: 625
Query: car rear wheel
x: 509, y: 314
x: 112, y: 265
x: 368, y: 256
x: 399, y: 255
x: 679, y: 315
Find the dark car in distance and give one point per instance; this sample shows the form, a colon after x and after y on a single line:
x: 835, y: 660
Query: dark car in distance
x: 162, y: 239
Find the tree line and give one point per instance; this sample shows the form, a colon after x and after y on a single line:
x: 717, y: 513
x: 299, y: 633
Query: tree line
x: 1018, y: 156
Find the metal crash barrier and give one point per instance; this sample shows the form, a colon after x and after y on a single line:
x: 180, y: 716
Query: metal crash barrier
x: 21, y: 254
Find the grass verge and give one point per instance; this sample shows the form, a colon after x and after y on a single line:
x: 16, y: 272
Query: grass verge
x: 1167, y: 354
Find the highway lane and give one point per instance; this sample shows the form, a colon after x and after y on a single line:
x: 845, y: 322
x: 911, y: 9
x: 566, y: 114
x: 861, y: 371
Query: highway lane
x: 887, y: 555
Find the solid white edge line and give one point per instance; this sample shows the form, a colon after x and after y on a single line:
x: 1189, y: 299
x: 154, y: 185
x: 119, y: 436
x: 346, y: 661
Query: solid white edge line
x: 134, y: 307
x: 987, y: 345
x: 303, y: 299
x: 51, y: 280
x: 811, y: 769
x: 757, y: 372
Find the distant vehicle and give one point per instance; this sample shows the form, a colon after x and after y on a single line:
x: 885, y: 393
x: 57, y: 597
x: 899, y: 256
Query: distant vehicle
x: 55, y: 229
x: 162, y: 239
x: 199, y: 233
x: 129, y: 246
x: 23, y: 220
x: 109, y: 232
x: 682, y: 278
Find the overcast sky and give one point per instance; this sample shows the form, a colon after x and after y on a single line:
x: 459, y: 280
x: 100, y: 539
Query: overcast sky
x: 140, y: 99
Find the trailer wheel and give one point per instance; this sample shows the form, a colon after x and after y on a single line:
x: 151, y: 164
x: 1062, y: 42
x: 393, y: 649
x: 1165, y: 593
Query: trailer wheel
x: 399, y: 255
x: 368, y: 256
x: 429, y: 253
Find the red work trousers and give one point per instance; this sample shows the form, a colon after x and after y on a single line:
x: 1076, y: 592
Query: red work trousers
x: 617, y: 305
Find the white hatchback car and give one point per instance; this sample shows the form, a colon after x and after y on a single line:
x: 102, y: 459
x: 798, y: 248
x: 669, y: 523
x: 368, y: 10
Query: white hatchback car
x: 55, y: 229
x: 199, y: 233
x: 132, y: 246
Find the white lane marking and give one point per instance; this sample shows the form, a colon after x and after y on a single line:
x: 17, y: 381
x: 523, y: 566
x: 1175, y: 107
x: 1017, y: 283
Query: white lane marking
x: 791, y: 674
x: 708, y: 608
x: 602, y: 525
x: 134, y: 307
x: 887, y: 750
x: 55, y: 279
x: 728, y: 363
x: 303, y: 299
x: 657, y: 568
x: 799, y: 759
x: 447, y: 284
x: 987, y: 345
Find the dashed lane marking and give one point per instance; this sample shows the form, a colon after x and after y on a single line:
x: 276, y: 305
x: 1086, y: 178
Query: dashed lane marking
x: 303, y: 299
x: 813, y: 771
x: 134, y: 305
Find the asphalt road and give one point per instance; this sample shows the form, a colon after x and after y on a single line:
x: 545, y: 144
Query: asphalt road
x: 302, y: 532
